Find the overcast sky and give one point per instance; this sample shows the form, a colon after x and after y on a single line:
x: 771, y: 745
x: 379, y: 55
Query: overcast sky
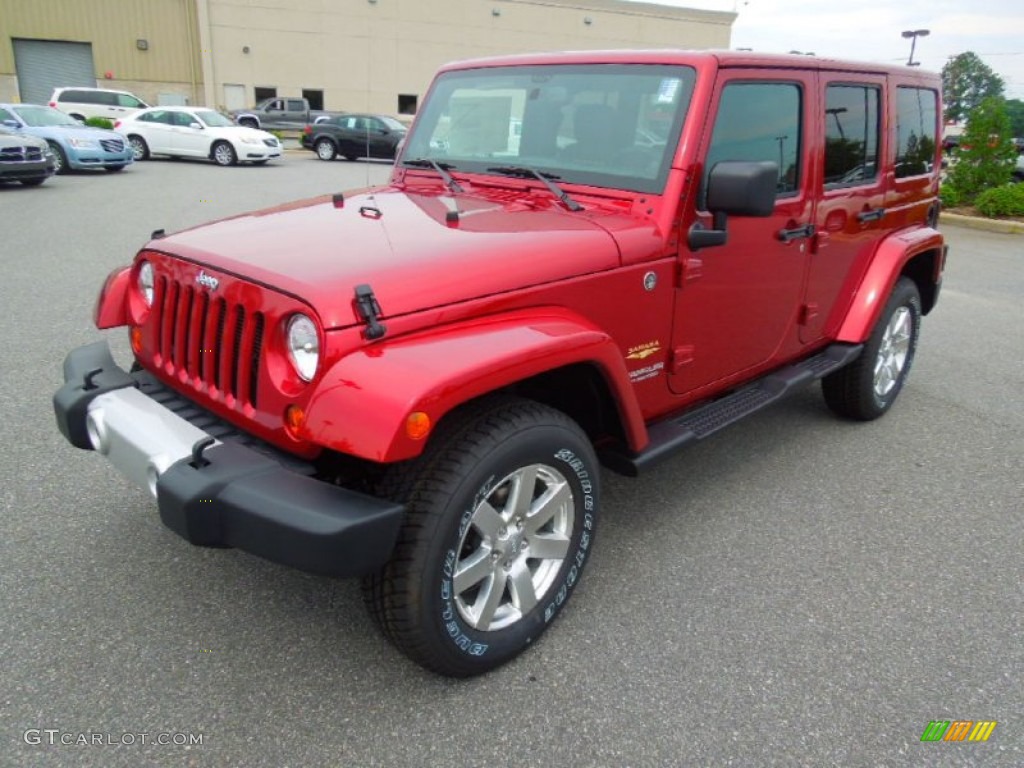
x: 869, y: 30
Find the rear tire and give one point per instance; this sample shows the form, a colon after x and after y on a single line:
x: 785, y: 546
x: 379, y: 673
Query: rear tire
x: 476, y: 577
x: 325, y: 149
x: 866, y: 388
x: 140, y: 150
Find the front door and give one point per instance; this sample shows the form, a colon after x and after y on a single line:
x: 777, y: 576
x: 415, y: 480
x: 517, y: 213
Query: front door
x: 190, y: 141
x: 737, y: 304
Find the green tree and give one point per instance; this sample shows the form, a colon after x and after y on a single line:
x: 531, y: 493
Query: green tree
x: 966, y: 81
x: 987, y: 153
x: 1015, y: 109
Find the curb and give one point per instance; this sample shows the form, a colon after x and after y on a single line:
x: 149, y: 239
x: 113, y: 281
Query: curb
x: 989, y: 225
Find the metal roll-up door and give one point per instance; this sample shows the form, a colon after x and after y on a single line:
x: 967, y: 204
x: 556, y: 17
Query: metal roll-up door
x: 43, y: 65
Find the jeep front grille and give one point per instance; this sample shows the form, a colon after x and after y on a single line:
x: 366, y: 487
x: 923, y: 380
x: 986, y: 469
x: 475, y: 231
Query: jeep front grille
x: 215, y: 343
x: 21, y: 154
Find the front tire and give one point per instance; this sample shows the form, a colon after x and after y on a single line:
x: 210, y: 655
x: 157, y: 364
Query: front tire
x: 224, y: 154
x: 867, y: 387
x: 60, y: 160
x: 502, y: 508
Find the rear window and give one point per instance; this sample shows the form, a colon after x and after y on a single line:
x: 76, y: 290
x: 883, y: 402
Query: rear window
x: 851, y: 134
x: 917, y: 119
x: 75, y: 96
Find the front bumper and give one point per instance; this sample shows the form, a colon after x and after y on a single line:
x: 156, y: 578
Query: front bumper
x: 25, y: 169
x: 219, y: 492
x: 97, y: 158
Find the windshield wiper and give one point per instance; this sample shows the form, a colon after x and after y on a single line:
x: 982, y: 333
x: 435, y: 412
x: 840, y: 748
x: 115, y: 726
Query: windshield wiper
x: 441, y: 168
x: 525, y: 172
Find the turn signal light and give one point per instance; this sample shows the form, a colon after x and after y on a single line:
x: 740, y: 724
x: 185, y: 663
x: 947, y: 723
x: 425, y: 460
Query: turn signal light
x: 135, y: 336
x: 417, y: 425
x: 294, y: 420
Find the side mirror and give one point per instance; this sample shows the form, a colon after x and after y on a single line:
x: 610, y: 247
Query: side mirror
x: 737, y: 188
x: 13, y: 124
x: 197, y: 126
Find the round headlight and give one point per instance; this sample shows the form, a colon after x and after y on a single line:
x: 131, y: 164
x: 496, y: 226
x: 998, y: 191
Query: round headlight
x: 303, y: 346
x: 146, y: 282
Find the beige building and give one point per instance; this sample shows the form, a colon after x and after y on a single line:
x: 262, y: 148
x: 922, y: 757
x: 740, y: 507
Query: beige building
x: 376, y: 55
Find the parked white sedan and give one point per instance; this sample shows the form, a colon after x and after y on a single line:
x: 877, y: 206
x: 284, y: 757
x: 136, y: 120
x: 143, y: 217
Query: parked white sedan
x: 196, y: 132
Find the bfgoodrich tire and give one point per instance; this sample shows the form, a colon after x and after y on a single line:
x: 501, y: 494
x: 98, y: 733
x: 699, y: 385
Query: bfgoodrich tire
x: 867, y: 387
x: 502, y: 509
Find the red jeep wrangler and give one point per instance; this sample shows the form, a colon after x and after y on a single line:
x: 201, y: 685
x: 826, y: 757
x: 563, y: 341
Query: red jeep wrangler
x: 580, y: 258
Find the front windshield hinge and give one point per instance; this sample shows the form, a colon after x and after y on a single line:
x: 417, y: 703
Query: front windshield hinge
x: 369, y: 311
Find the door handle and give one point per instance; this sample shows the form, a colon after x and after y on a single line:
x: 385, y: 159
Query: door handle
x: 788, y: 235
x: 871, y: 214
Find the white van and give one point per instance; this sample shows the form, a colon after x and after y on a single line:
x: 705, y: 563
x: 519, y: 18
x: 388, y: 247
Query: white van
x: 82, y: 103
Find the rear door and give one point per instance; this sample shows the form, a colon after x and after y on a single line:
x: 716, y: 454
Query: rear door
x: 737, y: 303
x: 851, y: 210
x: 297, y: 112
x: 157, y: 130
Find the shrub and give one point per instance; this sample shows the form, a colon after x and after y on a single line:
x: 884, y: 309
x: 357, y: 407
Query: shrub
x: 99, y: 122
x: 987, y: 153
x: 950, y: 196
x: 1007, y: 200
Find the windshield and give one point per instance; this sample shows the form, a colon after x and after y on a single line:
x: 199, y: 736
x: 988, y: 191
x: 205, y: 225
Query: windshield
x: 610, y: 126
x: 214, y: 119
x: 38, y: 117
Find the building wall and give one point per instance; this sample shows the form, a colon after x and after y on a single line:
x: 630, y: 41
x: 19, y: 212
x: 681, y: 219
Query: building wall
x: 361, y: 53
x: 170, y: 64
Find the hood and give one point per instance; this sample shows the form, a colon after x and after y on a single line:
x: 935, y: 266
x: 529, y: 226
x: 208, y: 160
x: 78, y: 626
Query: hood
x: 402, y: 245
x: 14, y: 139
x: 241, y: 132
x: 73, y: 131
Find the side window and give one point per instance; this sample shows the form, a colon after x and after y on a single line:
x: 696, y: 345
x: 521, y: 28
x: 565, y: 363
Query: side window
x: 182, y: 119
x: 124, y: 100
x: 296, y: 105
x: 275, y: 106
x: 5, y: 115
x: 758, y: 122
x: 916, y: 120
x: 851, y: 134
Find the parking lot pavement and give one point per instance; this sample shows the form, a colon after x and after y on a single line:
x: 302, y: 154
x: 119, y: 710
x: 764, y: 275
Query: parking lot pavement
x: 796, y: 591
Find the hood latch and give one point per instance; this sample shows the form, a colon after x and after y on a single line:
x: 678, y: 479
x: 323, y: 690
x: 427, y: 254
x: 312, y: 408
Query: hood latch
x: 369, y: 310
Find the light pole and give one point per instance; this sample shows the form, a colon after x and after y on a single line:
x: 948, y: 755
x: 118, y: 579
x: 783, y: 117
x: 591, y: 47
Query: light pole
x: 836, y: 112
x: 913, y: 34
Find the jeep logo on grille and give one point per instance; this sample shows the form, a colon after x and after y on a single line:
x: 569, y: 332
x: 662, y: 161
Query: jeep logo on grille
x: 207, y: 281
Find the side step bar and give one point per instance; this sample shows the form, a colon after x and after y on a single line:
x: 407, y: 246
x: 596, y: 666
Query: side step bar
x: 676, y: 432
